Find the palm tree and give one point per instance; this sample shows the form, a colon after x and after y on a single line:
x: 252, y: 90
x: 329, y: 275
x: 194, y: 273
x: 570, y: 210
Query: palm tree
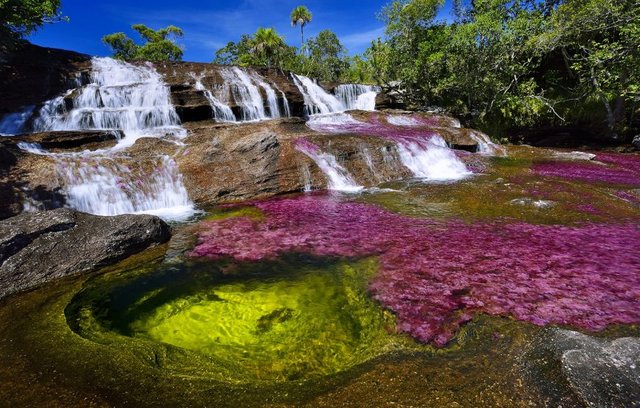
x: 267, y: 42
x: 301, y: 16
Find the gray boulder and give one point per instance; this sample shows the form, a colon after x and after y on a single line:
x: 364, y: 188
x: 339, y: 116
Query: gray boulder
x: 36, y: 248
x: 598, y: 372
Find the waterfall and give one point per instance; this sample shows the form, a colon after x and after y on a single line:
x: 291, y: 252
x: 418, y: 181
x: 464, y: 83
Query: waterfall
x: 246, y: 86
x: 103, y: 185
x: 354, y: 96
x: 316, y: 99
x: 431, y: 160
x: 338, y: 178
x: 285, y: 103
x: 111, y: 184
x: 426, y: 155
x: 221, y: 111
x: 120, y: 96
x: 486, y: 146
x: 14, y: 123
x: 108, y: 182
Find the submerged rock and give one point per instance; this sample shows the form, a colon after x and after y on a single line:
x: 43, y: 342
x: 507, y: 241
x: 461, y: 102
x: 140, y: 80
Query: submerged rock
x: 85, y: 139
x: 39, y: 247
x: 600, y: 372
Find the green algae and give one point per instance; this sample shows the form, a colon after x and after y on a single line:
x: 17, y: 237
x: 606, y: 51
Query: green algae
x: 223, y: 213
x: 277, y: 321
x: 509, y: 191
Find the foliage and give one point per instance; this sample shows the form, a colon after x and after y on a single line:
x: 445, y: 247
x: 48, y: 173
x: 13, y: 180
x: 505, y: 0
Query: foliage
x: 326, y: 57
x: 514, y: 63
x: 301, y: 16
x: 265, y: 48
x: 21, y: 17
x: 159, y: 44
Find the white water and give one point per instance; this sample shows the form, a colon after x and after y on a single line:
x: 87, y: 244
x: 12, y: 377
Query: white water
x: 486, y: 146
x: 135, y: 100
x: 338, y: 178
x: 354, y: 96
x: 316, y: 99
x: 403, y: 120
x: 121, y: 96
x: 13, y: 123
x: 105, y: 186
x: 287, y: 108
x: 432, y: 160
x: 221, y: 111
x: 334, y: 122
x: 245, y: 86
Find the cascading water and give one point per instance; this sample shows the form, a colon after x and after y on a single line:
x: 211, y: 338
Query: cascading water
x: 121, y: 96
x: 316, y: 99
x: 14, y: 123
x: 432, y: 160
x: 104, y: 185
x: 221, y: 111
x: 245, y: 87
x: 354, y: 96
x: 424, y: 153
x: 486, y: 146
x: 338, y: 177
x: 285, y: 103
x: 137, y: 101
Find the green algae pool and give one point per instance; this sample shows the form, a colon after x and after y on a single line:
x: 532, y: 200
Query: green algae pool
x: 276, y: 321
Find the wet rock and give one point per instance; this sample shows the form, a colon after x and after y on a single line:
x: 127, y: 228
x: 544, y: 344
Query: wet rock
x: 531, y: 202
x: 191, y: 103
x: 575, y: 155
x: 33, y: 74
x: 600, y: 372
x: 68, y: 140
x: 36, y: 248
x: 636, y: 142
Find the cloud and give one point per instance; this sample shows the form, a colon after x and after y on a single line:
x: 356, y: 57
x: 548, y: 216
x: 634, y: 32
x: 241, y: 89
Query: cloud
x: 357, y: 41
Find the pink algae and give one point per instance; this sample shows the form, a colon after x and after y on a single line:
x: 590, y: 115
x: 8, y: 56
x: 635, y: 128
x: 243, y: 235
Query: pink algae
x: 435, y: 275
x: 613, y: 168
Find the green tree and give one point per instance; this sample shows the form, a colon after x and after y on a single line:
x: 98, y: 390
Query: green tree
x: 599, y: 41
x: 265, y: 48
x: 21, y: 17
x: 326, y: 57
x: 267, y: 44
x: 301, y: 16
x: 159, y: 44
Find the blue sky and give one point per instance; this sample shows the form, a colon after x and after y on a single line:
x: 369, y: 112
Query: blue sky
x: 210, y: 24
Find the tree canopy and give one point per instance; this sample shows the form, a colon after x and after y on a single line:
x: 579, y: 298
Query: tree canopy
x: 159, y: 44
x: 21, y: 17
x: 515, y: 63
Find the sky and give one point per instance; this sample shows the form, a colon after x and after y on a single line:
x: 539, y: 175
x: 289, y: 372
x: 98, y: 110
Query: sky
x: 209, y: 24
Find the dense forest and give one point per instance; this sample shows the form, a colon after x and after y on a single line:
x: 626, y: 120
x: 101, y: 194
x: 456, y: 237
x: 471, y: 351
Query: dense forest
x: 499, y: 65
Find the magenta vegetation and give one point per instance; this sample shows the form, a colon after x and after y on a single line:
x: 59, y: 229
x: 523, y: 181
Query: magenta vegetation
x: 436, y: 275
x: 612, y: 168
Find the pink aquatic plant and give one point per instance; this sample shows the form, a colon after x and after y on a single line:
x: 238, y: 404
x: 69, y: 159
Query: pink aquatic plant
x: 436, y: 274
x: 618, y: 169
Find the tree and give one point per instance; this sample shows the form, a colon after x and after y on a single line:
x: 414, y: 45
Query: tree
x: 301, y: 16
x: 265, y: 48
x: 326, y: 57
x: 159, y: 46
x: 21, y: 17
x: 600, y: 43
x: 267, y: 43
